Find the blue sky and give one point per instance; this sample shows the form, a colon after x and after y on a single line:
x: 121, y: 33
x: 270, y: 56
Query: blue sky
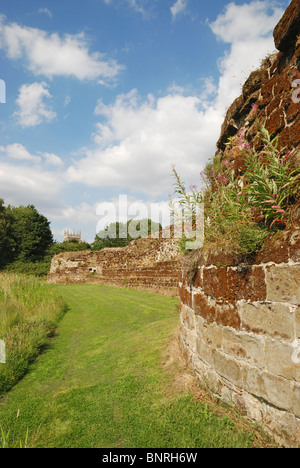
x: 103, y: 96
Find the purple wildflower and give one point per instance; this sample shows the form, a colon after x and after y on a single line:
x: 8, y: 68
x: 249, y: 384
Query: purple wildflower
x: 222, y: 179
x: 203, y: 176
x: 241, y: 133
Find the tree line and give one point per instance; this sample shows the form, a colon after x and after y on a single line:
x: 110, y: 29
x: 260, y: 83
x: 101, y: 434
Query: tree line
x: 27, y: 244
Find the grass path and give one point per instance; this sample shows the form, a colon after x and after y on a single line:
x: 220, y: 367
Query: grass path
x: 102, y: 383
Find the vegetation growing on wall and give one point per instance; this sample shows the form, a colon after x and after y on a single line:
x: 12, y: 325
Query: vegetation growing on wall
x: 240, y: 212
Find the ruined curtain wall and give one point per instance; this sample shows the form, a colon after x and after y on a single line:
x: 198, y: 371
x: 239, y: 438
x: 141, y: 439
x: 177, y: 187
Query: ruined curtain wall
x: 145, y: 263
x: 239, y: 322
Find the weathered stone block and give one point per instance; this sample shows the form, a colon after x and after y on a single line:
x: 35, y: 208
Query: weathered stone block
x: 213, y: 335
x: 297, y: 322
x: 230, y: 284
x: 295, y: 246
x: 278, y: 360
x: 205, y: 352
x: 296, y: 400
x: 295, y: 132
x: 228, y: 316
x: 243, y: 347
x: 283, y: 283
x: 273, y: 389
x: 286, y: 31
x: 203, y: 308
x: 228, y: 368
x: 278, y: 391
x: 252, y: 379
x: 275, y: 249
x: 275, y: 122
x: 268, y: 319
x: 254, y: 82
x: 229, y: 127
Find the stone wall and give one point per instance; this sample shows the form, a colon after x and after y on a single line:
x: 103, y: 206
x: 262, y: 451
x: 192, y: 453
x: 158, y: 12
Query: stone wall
x: 240, y: 326
x: 145, y: 263
x: 240, y: 322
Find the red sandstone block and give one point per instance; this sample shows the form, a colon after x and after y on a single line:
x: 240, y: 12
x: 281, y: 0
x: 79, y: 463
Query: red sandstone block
x: 275, y: 249
x: 267, y: 91
x: 254, y: 82
x: 234, y: 284
x: 222, y: 314
x: 286, y: 31
x: 228, y: 316
x: 295, y: 132
x: 274, y: 104
x: 292, y: 111
x: 203, y: 308
x: 275, y: 123
x: 285, y: 139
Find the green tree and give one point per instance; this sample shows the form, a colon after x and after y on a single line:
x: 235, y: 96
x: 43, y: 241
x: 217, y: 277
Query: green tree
x: 30, y: 232
x: 6, y: 242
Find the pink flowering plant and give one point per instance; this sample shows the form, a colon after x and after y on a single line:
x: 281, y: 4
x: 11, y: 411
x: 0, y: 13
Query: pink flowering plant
x: 273, y: 186
x: 240, y: 212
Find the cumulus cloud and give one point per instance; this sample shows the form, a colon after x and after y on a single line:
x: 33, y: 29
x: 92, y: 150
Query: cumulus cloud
x: 246, y: 22
x: 51, y: 55
x: 53, y: 160
x: 248, y: 30
x: 29, y: 184
x: 32, y: 110
x: 19, y: 152
x: 141, y: 138
x: 178, y: 7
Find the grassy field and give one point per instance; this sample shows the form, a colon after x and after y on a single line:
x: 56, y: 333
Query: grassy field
x: 29, y: 314
x: 111, y: 379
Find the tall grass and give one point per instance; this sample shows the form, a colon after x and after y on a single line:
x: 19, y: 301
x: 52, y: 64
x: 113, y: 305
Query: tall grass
x: 29, y: 314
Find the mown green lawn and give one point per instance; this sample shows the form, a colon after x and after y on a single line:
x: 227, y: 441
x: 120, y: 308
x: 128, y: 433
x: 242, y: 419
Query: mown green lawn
x: 102, y: 384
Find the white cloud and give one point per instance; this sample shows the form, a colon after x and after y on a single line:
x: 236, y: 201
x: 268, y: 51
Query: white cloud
x: 45, y: 11
x: 136, y: 5
x: 247, y: 22
x: 178, y: 7
x: 51, y: 55
x: 248, y: 29
x: 53, y: 160
x: 19, y: 152
x: 138, y: 139
x: 142, y: 138
x: 32, y: 109
x: 24, y: 185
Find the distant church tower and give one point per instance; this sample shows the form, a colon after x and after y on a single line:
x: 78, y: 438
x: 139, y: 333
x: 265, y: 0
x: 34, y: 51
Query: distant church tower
x: 71, y: 236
